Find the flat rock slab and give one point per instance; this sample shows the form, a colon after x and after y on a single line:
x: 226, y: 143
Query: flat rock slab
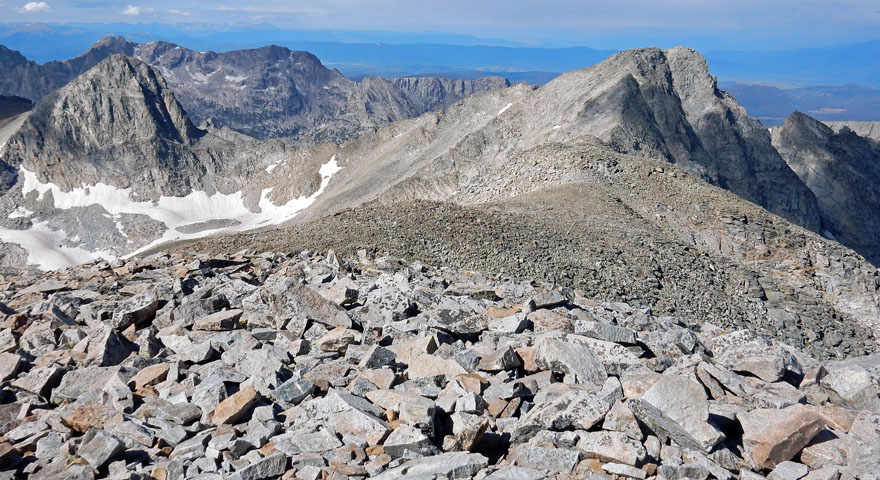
x: 772, y: 436
x: 570, y: 359
x: 47, y: 286
x: 220, y: 321
x: 150, y: 375
x: 451, y: 465
x: 235, y: 407
x: 272, y: 466
x: 676, y: 406
x: 548, y: 460
x: 789, y: 471
x: 98, y: 448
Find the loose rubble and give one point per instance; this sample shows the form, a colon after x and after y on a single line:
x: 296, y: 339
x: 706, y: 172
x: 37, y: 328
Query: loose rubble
x: 304, y: 366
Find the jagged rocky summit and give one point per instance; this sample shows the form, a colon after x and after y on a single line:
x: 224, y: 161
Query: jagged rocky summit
x: 268, y: 92
x: 311, y: 366
x: 842, y: 170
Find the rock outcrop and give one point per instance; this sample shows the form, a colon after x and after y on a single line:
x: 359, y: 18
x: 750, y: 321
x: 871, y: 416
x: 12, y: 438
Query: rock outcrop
x: 843, y: 170
x: 864, y: 129
x: 434, y: 373
x: 13, y: 111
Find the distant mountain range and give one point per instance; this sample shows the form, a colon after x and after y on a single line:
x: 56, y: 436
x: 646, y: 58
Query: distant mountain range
x: 267, y: 92
x: 395, y: 54
x: 772, y: 104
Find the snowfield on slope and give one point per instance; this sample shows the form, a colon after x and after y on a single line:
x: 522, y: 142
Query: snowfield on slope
x: 44, y: 248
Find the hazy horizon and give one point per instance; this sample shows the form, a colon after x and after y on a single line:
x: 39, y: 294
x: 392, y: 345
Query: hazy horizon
x: 726, y: 25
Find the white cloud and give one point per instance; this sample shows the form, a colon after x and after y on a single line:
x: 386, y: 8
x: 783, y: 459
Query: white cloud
x: 182, y: 13
x: 134, y: 11
x: 34, y: 7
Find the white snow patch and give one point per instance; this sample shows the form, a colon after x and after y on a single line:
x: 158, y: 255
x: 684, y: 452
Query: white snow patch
x: 120, y: 226
x: 200, y: 77
x: 174, y: 212
x: 44, y: 248
x: 234, y: 78
x: 557, y: 127
x: 272, y: 167
x: 505, y: 108
x: 20, y: 212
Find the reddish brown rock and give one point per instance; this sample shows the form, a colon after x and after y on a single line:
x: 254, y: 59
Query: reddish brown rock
x: 91, y: 415
x: 235, y: 407
x: 150, y: 375
x: 773, y: 436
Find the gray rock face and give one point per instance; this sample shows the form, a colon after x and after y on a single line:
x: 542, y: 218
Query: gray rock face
x: 842, y: 169
x: 863, y: 129
x: 119, y: 91
x: 740, y: 157
x: 677, y: 407
x: 570, y: 359
x: 272, y: 466
x: 98, y: 448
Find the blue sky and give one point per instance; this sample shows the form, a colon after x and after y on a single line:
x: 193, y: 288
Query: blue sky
x: 722, y: 24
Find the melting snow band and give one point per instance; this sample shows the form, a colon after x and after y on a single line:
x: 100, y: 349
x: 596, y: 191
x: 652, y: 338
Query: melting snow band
x: 45, y: 251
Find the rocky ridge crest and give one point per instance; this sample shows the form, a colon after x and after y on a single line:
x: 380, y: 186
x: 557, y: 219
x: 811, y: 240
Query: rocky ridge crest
x: 630, y: 102
x: 864, y: 129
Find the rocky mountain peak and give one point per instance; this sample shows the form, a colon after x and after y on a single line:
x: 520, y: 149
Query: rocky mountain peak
x: 122, y: 91
x: 805, y: 128
x: 111, y: 45
x: 120, y: 117
x: 666, y: 104
x: 842, y: 170
x: 9, y: 58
